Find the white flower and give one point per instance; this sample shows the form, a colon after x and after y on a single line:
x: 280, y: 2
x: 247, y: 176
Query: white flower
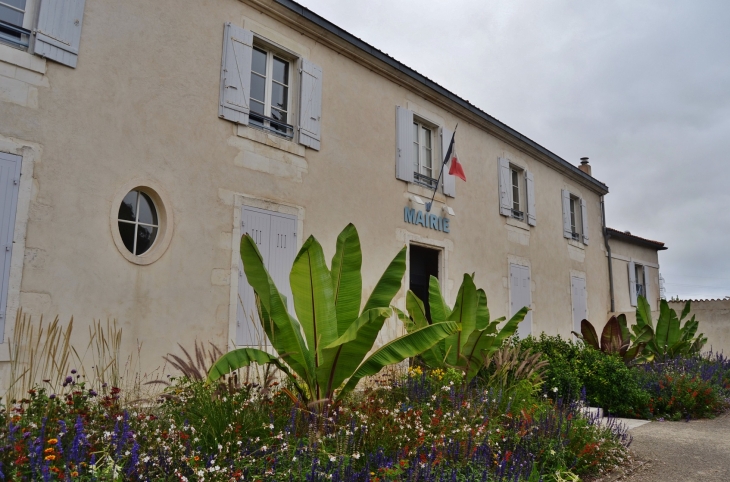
x: 332, y: 458
x: 555, y: 389
x: 294, y: 459
x: 220, y: 447
x: 271, y: 426
x: 264, y: 448
x: 356, y: 455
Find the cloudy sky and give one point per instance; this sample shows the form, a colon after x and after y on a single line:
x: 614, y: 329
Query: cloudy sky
x: 641, y: 87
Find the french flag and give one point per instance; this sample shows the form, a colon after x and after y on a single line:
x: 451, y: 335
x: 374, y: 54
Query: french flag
x: 455, y: 169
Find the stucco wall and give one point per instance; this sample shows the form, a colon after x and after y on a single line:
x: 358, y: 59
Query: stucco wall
x: 714, y: 318
x: 142, y: 104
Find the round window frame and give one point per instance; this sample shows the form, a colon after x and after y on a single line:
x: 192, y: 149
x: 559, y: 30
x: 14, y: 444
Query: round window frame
x: 164, y: 218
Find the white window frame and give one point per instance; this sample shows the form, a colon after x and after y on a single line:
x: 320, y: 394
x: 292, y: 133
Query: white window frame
x: 576, y: 217
x: 418, y: 163
x: 28, y: 20
x: 519, y: 202
x: 272, y: 52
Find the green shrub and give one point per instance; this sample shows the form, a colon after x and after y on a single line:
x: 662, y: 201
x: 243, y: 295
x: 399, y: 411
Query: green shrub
x: 561, y: 373
x: 684, y: 396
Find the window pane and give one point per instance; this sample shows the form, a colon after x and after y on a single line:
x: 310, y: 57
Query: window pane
x: 145, y: 237
x: 572, y: 215
x: 427, y: 137
x: 416, y: 167
x: 278, y: 115
x: 10, y: 15
x: 279, y: 95
x: 258, y: 87
x: 147, y: 211
x: 427, y: 157
x: 128, y: 209
x: 281, y: 71
x: 257, y: 107
x: 126, y: 231
x: 258, y: 64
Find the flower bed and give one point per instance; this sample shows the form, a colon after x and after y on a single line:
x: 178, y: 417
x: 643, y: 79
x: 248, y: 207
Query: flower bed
x: 425, y: 427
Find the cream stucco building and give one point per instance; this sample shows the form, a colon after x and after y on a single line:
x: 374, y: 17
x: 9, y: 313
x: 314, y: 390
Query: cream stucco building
x: 136, y: 150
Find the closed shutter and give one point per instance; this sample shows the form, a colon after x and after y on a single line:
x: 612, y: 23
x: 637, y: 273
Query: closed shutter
x: 404, y: 144
x: 282, y: 250
x: 449, y: 180
x: 520, y: 296
x: 275, y: 237
x: 580, y: 304
x: 236, y: 74
x: 505, y: 188
x: 632, y: 282
x: 9, y: 185
x: 310, y: 106
x: 58, y: 34
x: 584, y: 219
x: 530, y: 188
x: 257, y: 224
x: 567, y: 230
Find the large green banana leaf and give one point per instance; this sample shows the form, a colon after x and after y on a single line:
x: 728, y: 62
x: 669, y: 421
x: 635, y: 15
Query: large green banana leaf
x: 347, y: 278
x: 482, y: 320
x: 685, y: 311
x: 439, y: 309
x: 662, y: 327
x: 389, y: 284
x: 434, y: 356
x: 643, y: 312
x: 396, y: 351
x: 284, y: 332
x: 243, y: 357
x: 464, y: 314
x: 674, y: 333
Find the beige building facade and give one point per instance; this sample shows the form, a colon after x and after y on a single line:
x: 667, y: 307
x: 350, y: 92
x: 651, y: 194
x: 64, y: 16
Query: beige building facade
x: 138, y: 149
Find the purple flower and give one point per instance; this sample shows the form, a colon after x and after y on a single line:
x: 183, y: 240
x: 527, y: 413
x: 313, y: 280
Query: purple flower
x: 73, y: 372
x: 92, y: 393
x: 52, y: 396
x: 68, y: 380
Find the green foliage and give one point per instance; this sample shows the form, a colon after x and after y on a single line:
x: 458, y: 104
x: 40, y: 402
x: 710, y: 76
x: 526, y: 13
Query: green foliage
x: 562, y: 378
x: 477, y: 338
x: 327, y: 344
x: 514, y: 372
x: 684, y: 396
x: 616, y: 338
x: 671, y: 337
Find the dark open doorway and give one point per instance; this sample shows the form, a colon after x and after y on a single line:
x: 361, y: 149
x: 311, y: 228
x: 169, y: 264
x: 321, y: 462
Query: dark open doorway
x: 424, y: 264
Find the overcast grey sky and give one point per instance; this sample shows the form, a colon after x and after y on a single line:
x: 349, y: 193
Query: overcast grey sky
x: 641, y: 87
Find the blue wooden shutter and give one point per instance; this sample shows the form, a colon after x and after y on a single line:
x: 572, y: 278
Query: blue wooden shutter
x: 58, y: 34
x: 236, y: 74
x: 404, y: 144
x: 567, y: 229
x: 584, y: 218
x: 449, y: 180
x: 9, y: 185
x: 530, y: 190
x: 310, y: 106
x: 632, y: 283
x: 505, y: 188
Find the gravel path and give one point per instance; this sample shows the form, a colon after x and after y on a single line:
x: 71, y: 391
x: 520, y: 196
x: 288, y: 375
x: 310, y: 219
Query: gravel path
x: 698, y: 451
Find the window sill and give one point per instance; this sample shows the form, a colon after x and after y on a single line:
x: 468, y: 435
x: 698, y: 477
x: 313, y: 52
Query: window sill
x: 425, y: 192
x: 576, y: 244
x: 271, y: 140
x: 517, y: 223
x: 21, y: 58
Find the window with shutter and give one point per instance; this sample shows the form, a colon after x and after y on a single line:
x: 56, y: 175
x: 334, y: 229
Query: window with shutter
x: 58, y: 34
x: 567, y: 226
x: 584, y: 220
x: 235, y: 89
x: 404, y: 152
x: 9, y: 186
x: 275, y: 237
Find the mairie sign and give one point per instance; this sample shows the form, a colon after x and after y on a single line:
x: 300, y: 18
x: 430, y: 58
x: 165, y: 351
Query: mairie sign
x: 427, y: 220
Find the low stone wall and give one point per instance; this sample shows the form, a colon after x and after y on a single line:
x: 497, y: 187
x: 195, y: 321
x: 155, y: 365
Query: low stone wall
x: 714, y: 318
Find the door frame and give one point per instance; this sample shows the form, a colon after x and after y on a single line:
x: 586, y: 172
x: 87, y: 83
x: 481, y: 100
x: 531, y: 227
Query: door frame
x: 240, y: 201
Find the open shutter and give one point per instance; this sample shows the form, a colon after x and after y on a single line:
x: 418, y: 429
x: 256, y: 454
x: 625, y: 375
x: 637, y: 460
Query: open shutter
x: 530, y: 185
x: 310, y: 106
x: 567, y: 231
x: 9, y: 185
x: 404, y: 144
x: 449, y: 180
x: 584, y: 218
x: 646, y: 285
x: 236, y: 74
x: 505, y: 191
x: 632, y: 282
x: 58, y: 34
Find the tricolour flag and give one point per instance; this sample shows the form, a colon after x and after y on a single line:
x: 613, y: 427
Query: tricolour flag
x: 455, y: 169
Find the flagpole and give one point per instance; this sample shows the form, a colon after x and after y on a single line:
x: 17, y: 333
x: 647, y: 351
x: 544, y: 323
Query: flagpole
x: 443, y: 164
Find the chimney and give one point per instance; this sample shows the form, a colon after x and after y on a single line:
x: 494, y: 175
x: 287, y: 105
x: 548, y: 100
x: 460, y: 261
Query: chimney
x: 584, y: 166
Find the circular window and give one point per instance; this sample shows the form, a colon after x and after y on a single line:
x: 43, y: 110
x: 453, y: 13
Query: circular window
x: 138, y: 222
x: 141, y: 222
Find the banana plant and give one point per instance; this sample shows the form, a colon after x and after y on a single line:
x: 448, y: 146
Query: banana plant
x: 326, y: 345
x: 616, y: 339
x: 671, y: 337
x: 476, y: 340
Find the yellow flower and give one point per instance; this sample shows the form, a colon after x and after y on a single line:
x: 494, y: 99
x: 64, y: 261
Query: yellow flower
x: 50, y: 457
x: 53, y: 441
x: 49, y: 450
x: 74, y: 474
